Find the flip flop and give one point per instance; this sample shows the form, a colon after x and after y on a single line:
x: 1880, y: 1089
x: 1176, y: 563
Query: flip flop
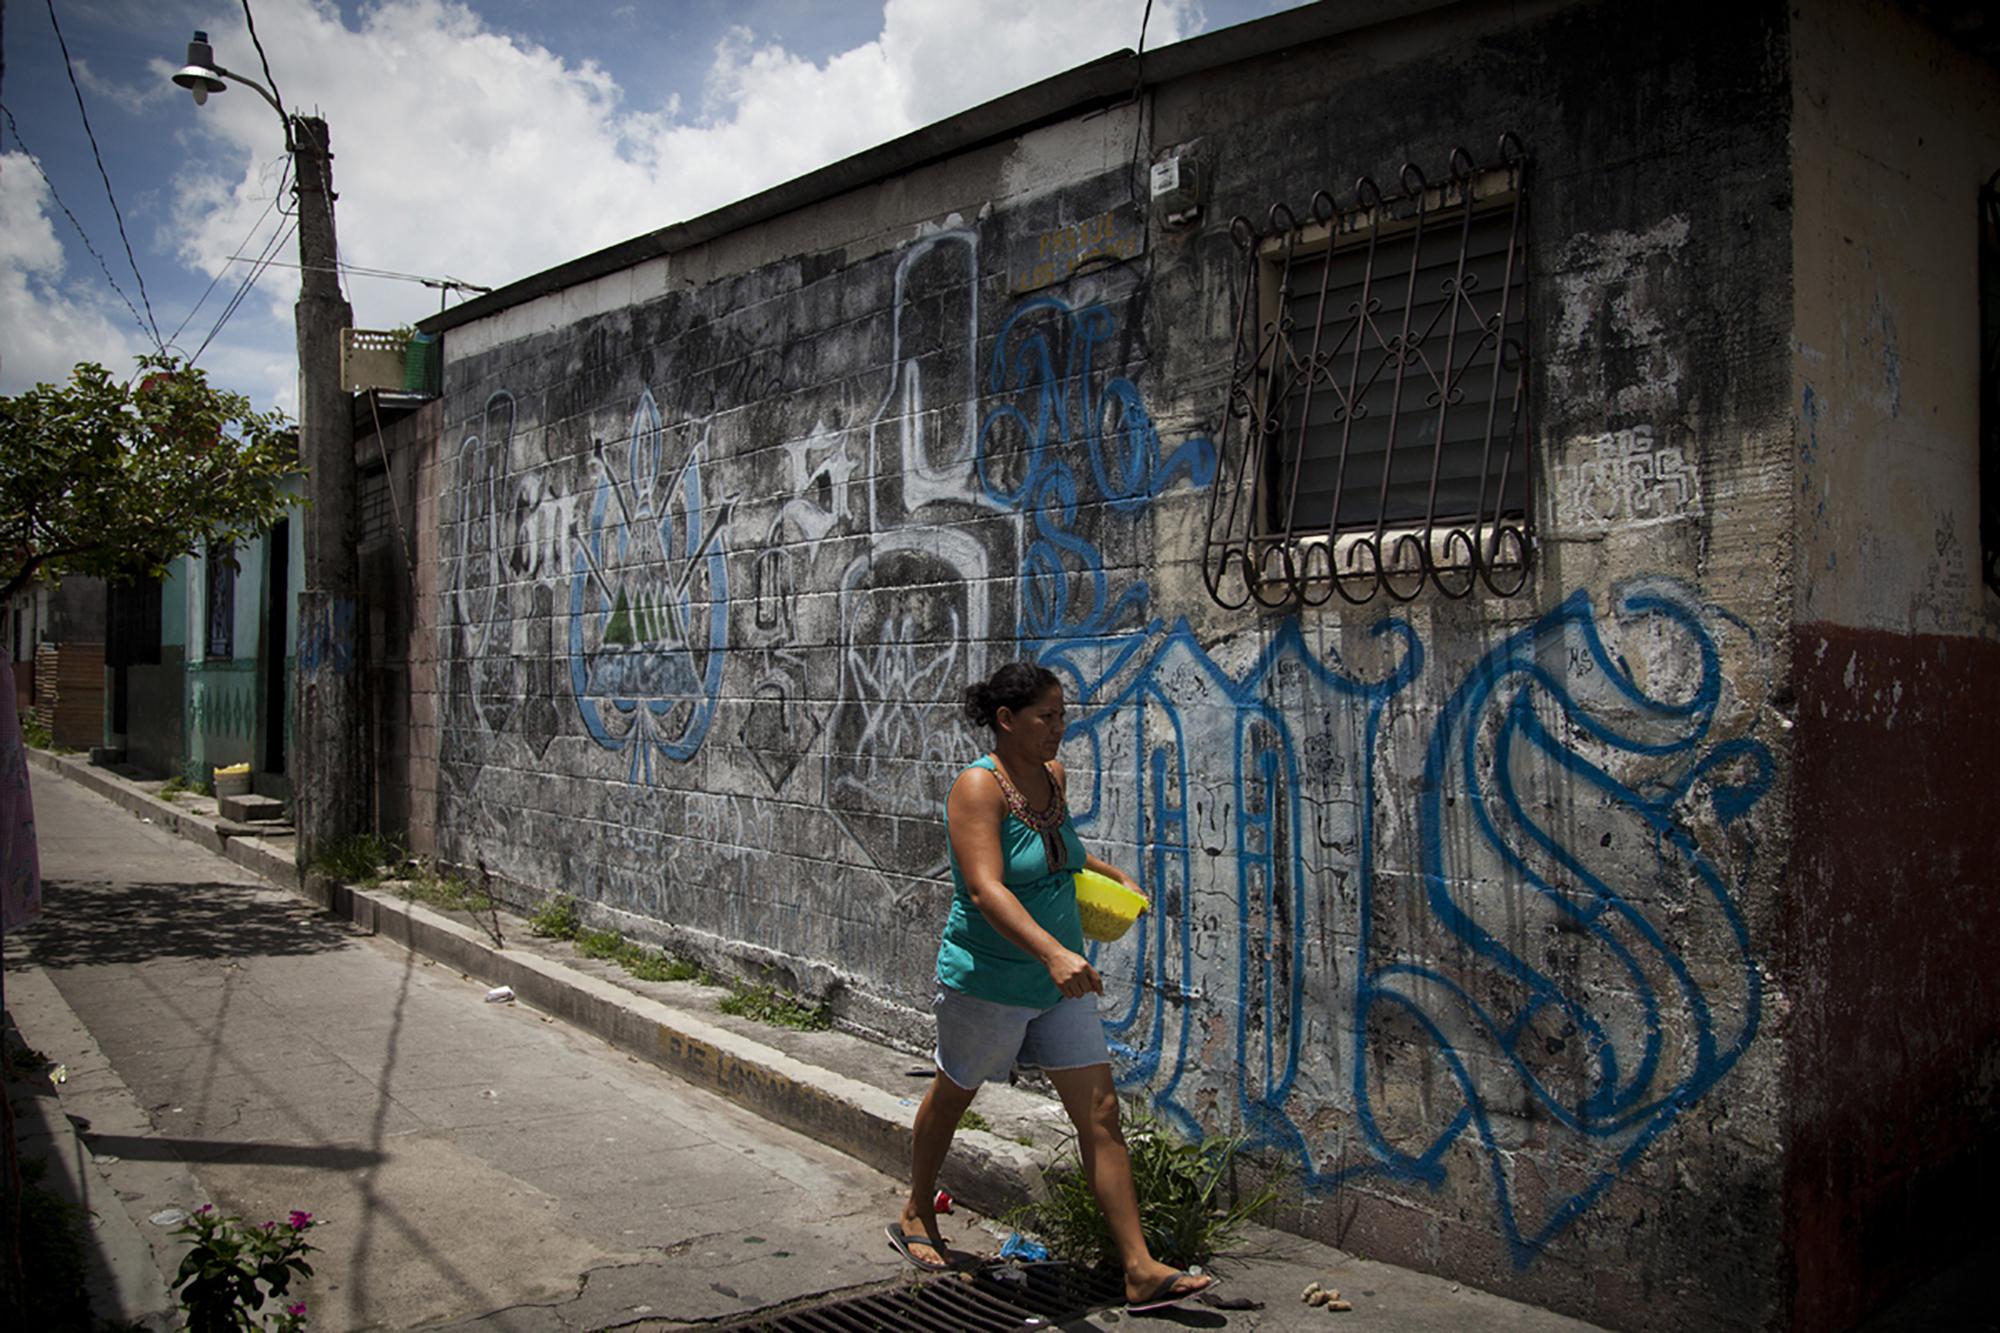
x: 902, y: 1242
x: 1163, y: 1295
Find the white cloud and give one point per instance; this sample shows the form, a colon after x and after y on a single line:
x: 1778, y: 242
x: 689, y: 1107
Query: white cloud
x: 133, y: 99
x: 467, y: 152
x: 47, y: 325
x: 463, y: 151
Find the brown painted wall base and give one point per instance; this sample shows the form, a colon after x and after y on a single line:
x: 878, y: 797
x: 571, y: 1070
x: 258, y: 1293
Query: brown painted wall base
x: 1890, y: 957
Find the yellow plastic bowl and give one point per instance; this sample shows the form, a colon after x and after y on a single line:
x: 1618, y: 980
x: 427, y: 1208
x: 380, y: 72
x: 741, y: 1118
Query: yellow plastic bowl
x: 1108, y: 908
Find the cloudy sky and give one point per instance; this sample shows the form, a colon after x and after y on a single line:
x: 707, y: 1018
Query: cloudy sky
x: 481, y: 140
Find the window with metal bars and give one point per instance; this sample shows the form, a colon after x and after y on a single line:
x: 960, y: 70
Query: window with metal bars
x: 221, y: 600
x: 1375, y: 434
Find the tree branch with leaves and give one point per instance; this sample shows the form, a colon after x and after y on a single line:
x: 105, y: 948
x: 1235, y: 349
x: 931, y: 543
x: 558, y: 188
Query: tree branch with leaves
x: 118, y: 478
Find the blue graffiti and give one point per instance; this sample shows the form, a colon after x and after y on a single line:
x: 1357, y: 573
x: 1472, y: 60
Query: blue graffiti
x: 1177, y: 688
x: 1513, y: 724
x: 1049, y: 359
x: 649, y: 602
x: 327, y: 639
x: 1518, y: 739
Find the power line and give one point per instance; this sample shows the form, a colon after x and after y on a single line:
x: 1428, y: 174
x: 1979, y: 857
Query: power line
x: 84, y: 235
x: 269, y: 77
x: 278, y: 239
x: 268, y: 206
x: 1138, y: 103
x: 76, y: 88
x: 362, y: 271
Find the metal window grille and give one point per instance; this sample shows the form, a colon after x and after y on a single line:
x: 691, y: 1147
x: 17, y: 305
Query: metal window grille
x: 1374, y: 438
x: 221, y: 601
x: 1989, y: 381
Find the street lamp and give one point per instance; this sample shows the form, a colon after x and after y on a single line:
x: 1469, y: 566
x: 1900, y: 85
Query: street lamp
x: 332, y: 787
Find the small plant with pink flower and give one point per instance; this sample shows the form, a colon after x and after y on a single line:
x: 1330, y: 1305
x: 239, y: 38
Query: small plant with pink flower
x: 234, y: 1270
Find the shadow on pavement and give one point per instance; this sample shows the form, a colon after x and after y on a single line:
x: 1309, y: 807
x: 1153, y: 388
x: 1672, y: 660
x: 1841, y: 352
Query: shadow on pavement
x: 83, y: 924
x: 323, y: 1157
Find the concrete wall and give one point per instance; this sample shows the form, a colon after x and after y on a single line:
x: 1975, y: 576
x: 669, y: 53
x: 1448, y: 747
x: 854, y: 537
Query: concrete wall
x: 1892, y: 1089
x: 399, y: 575
x: 1466, y: 907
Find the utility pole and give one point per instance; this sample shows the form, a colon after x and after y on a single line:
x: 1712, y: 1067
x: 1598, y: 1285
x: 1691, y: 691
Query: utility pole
x: 332, y: 779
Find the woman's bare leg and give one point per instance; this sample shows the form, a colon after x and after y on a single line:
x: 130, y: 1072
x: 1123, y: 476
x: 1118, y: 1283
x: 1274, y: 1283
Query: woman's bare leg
x: 936, y: 1123
x: 1092, y: 1102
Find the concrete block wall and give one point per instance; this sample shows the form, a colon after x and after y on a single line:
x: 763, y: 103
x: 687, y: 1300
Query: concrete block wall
x: 399, y: 600
x: 1473, y: 914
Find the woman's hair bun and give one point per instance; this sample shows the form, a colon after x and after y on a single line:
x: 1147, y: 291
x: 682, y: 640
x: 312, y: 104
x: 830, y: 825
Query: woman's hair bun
x: 1015, y: 686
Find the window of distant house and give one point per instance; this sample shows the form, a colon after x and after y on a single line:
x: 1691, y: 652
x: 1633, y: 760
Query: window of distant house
x: 1376, y: 432
x: 221, y: 601
x: 1989, y: 381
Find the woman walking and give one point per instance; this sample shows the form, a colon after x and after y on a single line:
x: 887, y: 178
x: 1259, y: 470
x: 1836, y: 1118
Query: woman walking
x: 1013, y: 985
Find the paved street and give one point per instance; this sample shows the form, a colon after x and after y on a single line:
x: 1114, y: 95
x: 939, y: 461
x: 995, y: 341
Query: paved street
x: 467, y: 1158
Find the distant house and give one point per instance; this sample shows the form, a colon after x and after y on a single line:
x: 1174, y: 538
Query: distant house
x: 200, y: 667
x: 55, y: 639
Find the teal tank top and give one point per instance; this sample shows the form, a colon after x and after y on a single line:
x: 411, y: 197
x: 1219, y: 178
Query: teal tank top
x: 981, y: 962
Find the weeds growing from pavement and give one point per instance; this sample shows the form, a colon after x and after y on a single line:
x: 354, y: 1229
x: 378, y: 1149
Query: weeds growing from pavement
x: 641, y: 962
x: 36, y: 736
x: 173, y: 787
x: 444, y: 891
x: 361, y: 858
x: 557, y: 918
x: 233, y: 1270
x: 599, y: 943
x: 654, y: 965
x: 768, y: 1004
x: 1184, y: 1199
x: 973, y: 1120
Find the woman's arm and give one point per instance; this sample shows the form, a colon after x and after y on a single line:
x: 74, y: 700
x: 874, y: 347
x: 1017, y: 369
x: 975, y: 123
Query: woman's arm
x: 973, y: 814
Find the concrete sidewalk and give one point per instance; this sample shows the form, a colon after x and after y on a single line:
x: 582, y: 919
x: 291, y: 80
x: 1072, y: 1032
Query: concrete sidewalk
x: 834, y: 1089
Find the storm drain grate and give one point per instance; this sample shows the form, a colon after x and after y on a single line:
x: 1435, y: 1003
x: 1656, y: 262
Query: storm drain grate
x: 992, y: 1299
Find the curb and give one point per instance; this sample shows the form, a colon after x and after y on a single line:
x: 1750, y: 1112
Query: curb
x: 991, y: 1174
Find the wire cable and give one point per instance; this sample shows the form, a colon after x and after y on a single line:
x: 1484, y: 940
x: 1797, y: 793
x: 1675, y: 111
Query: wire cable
x: 269, y: 77
x: 363, y: 271
x: 1138, y: 94
x: 236, y: 301
x: 206, y: 291
x: 29, y: 153
x: 70, y: 68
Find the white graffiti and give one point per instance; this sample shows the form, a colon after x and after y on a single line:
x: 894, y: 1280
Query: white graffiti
x: 1624, y: 478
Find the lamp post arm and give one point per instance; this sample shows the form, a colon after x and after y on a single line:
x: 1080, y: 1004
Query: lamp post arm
x: 262, y: 91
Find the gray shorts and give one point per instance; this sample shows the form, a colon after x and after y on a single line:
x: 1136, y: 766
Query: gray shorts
x: 979, y: 1041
